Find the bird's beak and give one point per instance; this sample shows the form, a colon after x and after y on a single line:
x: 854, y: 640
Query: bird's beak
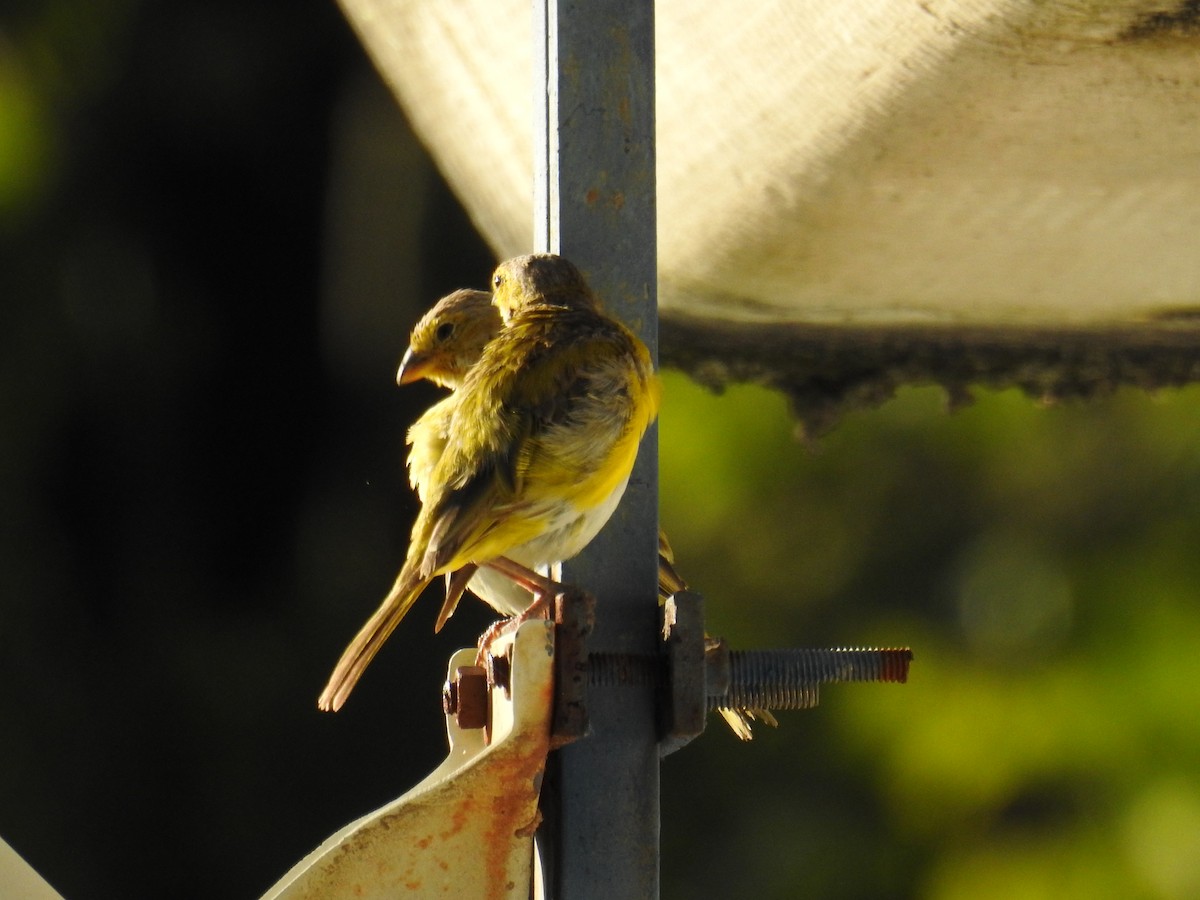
x: 412, y: 367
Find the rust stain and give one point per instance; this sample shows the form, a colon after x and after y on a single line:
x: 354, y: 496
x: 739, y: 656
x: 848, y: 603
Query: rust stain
x: 459, y: 820
x: 513, y: 812
x: 615, y: 199
x: 511, y: 808
x: 623, y: 111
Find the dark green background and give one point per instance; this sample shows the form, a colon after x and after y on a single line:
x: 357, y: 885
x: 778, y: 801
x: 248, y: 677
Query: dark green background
x: 216, y: 231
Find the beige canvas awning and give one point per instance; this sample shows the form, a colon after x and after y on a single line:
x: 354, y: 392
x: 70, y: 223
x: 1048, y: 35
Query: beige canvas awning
x: 858, y: 195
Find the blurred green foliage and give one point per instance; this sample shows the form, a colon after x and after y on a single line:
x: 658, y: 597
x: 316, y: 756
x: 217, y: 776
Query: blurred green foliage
x: 1041, y: 562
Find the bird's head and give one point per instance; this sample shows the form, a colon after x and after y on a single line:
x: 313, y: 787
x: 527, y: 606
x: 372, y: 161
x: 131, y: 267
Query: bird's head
x: 540, y: 278
x: 449, y: 339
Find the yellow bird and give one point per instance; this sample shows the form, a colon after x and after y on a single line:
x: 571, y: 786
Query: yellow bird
x: 448, y: 340
x: 542, y: 439
x: 443, y: 346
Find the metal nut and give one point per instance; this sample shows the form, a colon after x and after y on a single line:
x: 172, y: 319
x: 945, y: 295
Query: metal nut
x: 466, y: 697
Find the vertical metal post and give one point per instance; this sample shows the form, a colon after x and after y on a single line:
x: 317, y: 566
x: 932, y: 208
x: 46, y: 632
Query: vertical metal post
x: 594, y: 203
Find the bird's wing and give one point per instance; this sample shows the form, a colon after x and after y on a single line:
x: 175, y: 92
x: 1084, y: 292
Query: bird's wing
x: 427, y: 439
x: 544, y: 420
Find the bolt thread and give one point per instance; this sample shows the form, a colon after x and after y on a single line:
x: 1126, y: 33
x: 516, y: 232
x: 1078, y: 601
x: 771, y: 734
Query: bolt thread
x: 622, y: 669
x: 765, y: 679
x: 790, y: 679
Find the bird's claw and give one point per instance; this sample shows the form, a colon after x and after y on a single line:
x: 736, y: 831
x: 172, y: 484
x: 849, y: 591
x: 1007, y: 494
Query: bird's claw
x: 539, y: 607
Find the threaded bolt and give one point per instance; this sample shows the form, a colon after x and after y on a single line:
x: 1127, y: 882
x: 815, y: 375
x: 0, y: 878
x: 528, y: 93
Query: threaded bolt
x: 791, y: 679
x: 763, y: 679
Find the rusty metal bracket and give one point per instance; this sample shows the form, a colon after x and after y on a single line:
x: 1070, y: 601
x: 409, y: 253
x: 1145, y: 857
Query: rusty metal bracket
x: 693, y: 673
x: 683, y: 705
x: 467, y: 829
x: 574, y: 616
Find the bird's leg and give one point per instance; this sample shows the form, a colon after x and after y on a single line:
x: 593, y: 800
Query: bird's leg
x: 534, y: 582
x: 542, y: 588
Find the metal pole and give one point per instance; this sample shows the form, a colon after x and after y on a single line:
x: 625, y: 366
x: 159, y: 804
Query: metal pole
x: 594, y: 203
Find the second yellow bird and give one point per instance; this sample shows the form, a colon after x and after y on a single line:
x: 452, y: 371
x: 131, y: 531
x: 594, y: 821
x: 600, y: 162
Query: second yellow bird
x: 541, y: 441
x: 443, y: 346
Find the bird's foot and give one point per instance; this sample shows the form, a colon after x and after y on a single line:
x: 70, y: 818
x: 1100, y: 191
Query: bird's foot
x: 540, y: 607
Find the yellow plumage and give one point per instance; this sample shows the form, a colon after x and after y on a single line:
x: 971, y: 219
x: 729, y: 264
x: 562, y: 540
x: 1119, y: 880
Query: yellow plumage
x: 444, y: 345
x: 449, y: 339
x: 541, y: 440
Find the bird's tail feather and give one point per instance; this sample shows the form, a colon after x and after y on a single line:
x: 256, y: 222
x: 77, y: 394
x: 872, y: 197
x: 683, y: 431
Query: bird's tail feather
x: 370, y: 638
x: 456, y: 584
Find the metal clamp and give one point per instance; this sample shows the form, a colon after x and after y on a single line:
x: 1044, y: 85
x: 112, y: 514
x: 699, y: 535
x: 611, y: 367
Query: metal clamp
x: 467, y: 829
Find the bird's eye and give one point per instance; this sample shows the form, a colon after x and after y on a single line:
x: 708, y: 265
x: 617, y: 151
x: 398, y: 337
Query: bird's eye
x: 497, y: 280
x: 444, y: 331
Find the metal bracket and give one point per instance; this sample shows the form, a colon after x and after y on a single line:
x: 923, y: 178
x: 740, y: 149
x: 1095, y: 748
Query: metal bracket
x: 683, y: 699
x: 574, y: 617
x: 19, y: 879
x: 467, y: 829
